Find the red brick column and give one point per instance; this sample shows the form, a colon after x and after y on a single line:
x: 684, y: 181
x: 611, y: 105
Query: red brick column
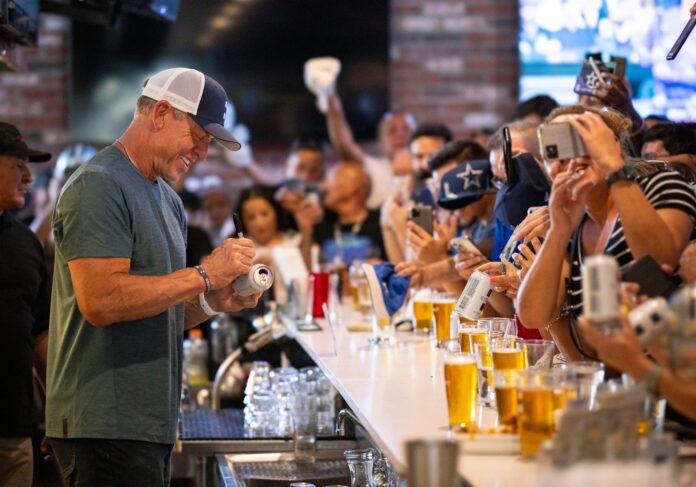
x: 455, y: 62
x: 36, y: 97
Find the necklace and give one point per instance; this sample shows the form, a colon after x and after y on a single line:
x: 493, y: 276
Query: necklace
x: 125, y: 150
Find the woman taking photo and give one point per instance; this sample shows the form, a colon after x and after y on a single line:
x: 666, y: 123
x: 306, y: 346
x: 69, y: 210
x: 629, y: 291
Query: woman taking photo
x: 600, y: 204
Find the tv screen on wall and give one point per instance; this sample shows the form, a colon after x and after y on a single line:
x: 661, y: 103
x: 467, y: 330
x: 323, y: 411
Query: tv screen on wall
x: 555, y: 35
x: 255, y: 49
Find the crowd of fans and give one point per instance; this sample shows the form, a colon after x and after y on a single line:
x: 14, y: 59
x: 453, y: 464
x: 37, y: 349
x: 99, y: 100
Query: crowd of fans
x: 355, y: 205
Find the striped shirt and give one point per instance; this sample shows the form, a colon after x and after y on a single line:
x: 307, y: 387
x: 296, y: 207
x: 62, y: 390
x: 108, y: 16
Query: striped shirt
x: 665, y: 189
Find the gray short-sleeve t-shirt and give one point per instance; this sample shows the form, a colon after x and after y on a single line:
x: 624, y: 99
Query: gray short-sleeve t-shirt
x: 122, y: 381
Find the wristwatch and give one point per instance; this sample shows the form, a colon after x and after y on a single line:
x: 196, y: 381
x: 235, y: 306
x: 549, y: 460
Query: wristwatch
x: 626, y: 173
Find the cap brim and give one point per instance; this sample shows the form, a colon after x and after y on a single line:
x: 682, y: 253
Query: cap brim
x: 220, y: 133
x: 462, y: 201
x: 37, y: 156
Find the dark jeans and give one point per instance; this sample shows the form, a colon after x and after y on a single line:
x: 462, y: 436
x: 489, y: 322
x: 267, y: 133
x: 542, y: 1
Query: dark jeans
x: 96, y: 462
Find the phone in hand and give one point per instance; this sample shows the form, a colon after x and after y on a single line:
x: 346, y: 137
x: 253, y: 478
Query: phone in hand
x: 466, y: 245
x: 653, y: 281
x: 560, y: 141
x: 422, y: 215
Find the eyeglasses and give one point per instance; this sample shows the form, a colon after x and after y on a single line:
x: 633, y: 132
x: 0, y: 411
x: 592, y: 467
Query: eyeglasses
x: 198, y: 134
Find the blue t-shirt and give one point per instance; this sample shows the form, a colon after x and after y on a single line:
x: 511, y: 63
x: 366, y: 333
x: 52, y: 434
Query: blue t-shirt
x: 121, y: 381
x: 501, y: 236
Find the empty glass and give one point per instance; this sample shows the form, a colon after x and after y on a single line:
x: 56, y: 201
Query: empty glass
x: 539, y: 353
x: 360, y: 464
x: 484, y: 365
x: 260, y: 419
x: 585, y: 377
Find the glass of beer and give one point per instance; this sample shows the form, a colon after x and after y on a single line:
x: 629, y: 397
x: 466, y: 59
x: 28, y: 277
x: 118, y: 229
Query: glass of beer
x: 423, y: 311
x: 484, y: 364
x: 464, y: 330
x: 477, y: 335
x: 506, y: 398
x: 508, y: 353
x: 536, y: 409
x: 443, y: 305
x: 539, y: 353
x: 461, y: 388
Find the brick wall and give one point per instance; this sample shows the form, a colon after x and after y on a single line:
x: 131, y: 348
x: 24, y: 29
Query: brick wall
x: 36, y: 97
x: 455, y: 61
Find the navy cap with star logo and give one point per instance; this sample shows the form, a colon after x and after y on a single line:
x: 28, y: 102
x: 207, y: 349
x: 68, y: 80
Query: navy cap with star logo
x: 465, y: 184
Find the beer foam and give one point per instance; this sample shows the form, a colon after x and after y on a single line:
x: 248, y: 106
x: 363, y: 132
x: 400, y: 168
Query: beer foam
x: 462, y: 359
x: 507, y: 350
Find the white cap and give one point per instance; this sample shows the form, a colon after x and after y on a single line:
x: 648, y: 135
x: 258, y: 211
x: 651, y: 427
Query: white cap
x: 197, y: 94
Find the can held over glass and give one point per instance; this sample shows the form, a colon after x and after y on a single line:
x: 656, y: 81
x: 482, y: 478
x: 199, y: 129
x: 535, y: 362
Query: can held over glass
x: 474, y: 296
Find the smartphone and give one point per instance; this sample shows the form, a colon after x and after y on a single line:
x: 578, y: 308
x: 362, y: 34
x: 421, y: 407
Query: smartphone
x: 532, y: 209
x: 422, y: 215
x: 686, y: 31
x: 653, y: 281
x: 560, y: 141
x: 530, y: 246
x: 466, y: 245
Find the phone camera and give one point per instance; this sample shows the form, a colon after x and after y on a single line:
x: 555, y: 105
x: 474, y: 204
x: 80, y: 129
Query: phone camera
x: 552, y: 151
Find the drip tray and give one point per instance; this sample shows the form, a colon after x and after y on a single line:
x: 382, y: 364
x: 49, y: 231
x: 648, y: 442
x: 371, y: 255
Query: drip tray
x: 272, y: 469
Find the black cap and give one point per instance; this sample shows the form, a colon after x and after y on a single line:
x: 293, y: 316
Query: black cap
x: 12, y: 143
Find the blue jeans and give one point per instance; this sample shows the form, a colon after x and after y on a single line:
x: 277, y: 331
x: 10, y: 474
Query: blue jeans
x: 91, y: 462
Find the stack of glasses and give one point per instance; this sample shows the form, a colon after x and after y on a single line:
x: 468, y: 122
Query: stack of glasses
x: 276, y: 401
x: 490, y: 366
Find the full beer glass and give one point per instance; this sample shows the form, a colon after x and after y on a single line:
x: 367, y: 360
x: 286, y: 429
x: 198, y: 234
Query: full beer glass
x: 536, y: 409
x: 508, y: 353
x: 443, y: 305
x: 461, y: 387
x: 424, y: 312
x: 506, y: 397
x: 464, y: 330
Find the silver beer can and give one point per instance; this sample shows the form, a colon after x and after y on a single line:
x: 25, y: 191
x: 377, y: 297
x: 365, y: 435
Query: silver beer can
x: 474, y: 296
x: 258, y: 280
x: 600, y: 291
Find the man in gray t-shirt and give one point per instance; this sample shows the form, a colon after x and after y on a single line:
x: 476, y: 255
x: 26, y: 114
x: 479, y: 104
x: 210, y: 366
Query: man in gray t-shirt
x: 122, y: 296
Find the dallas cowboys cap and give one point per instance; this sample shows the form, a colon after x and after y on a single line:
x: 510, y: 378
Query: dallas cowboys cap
x: 465, y: 184
x: 197, y: 94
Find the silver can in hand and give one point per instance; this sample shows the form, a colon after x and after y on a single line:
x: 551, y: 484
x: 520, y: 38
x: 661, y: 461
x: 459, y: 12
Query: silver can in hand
x: 258, y: 280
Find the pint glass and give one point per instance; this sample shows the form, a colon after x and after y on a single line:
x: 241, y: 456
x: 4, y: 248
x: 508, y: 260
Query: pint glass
x: 461, y: 385
x: 443, y: 305
x: 508, y: 353
x: 536, y: 409
x: 506, y: 397
x: 424, y: 314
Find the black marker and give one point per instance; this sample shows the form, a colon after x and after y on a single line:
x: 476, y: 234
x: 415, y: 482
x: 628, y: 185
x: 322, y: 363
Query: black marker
x: 238, y: 232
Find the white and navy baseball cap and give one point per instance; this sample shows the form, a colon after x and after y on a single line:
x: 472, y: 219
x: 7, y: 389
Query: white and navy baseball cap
x: 197, y: 94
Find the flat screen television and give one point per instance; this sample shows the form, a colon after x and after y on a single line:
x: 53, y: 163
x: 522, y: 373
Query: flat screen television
x: 255, y: 49
x: 555, y: 35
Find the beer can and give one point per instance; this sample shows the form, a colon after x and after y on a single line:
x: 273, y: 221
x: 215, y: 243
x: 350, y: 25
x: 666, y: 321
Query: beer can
x: 600, y: 290
x: 474, y: 296
x: 258, y: 280
x: 649, y: 319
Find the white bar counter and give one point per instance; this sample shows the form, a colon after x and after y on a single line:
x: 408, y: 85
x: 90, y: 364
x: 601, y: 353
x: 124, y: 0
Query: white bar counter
x: 399, y: 394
